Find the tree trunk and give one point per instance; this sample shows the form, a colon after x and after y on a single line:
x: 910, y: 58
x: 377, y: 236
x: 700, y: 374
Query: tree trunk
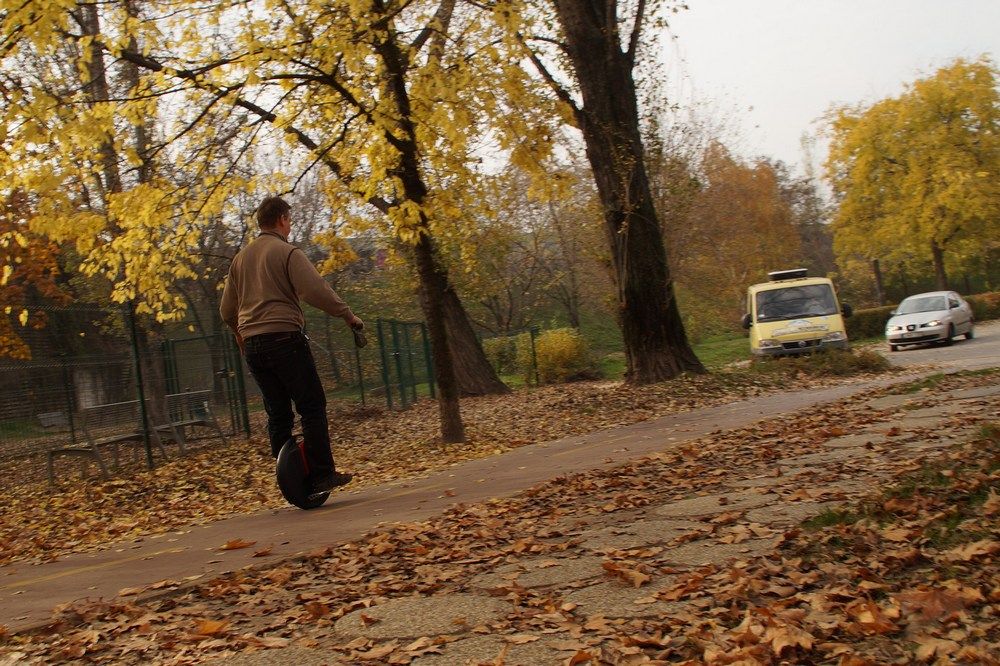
x: 473, y: 371
x: 879, y: 289
x: 656, y: 346
x: 434, y: 289
x: 97, y: 88
x: 937, y: 254
x: 434, y: 284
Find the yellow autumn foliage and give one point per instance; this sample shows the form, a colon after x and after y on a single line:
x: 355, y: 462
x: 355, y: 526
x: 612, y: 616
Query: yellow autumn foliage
x: 918, y: 175
x: 376, y: 94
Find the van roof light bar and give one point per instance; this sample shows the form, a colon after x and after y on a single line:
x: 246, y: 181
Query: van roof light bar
x: 793, y: 274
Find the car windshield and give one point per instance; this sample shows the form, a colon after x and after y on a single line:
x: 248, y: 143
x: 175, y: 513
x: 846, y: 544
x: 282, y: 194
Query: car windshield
x: 812, y: 300
x: 922, y: 304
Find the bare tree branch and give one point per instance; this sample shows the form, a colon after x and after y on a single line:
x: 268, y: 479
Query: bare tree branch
x: 556, y: 87
x: 633, y: 42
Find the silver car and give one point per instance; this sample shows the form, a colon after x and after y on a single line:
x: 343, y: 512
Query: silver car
x: 937, y: 316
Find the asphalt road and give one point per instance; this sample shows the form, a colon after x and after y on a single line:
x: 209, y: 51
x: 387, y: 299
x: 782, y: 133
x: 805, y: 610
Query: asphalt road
x: 983, y: 351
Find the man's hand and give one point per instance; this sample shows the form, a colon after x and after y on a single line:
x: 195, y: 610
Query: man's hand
x: 242, y: 345
x: 355, y: 323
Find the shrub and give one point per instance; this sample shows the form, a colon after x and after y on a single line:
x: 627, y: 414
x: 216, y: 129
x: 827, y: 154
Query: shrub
x: 985, y: 306
x: 868, y: 323
x: 826, y: 363
x: 502, y: 353
x: 561, y: 354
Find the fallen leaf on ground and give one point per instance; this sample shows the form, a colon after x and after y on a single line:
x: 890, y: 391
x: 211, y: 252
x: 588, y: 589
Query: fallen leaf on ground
x: 210, y: 627
x: 633, y: 577
x: 236, y: 544
x: 520, y: 639
x: 378, y: 652
x: 928, y: 648
x: 971, y: 551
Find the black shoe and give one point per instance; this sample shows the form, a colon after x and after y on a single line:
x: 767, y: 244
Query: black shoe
x: 328, y: 483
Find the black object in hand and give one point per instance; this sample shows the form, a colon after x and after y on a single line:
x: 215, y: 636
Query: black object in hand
x: 360, y: 339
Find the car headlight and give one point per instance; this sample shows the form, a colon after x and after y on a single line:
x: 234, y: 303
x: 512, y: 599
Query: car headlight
x: 893, y: 329
x: 836, y: 336
x: 764, y: 344
x: 932, y: 322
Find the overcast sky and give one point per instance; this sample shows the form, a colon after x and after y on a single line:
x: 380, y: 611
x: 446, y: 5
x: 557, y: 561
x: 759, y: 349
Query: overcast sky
x: 778, y: 65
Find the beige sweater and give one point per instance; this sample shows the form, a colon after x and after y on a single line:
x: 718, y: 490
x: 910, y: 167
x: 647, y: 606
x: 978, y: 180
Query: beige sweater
x: 266, y: 281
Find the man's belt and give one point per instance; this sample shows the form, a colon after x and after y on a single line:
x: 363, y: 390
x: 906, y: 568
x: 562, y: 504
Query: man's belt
x: 275, y: 337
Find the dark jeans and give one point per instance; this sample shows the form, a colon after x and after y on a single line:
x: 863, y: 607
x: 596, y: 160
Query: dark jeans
x: 283, y: 366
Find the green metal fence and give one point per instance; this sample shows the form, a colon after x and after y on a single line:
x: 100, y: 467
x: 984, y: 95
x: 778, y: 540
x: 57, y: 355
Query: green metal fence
x: 407, y: 366
x: 85, y: 357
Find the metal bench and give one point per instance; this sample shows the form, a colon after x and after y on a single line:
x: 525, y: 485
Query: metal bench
x: 186, y: 410
x: 53, y: 420
x: 105, y: 425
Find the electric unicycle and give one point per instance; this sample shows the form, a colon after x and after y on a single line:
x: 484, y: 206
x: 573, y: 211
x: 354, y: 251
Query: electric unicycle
x: 293, y: 476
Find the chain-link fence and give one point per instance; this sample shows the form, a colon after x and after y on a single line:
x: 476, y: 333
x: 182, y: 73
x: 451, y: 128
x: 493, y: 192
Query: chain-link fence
x: 99, y: 383
x: 98, y: 386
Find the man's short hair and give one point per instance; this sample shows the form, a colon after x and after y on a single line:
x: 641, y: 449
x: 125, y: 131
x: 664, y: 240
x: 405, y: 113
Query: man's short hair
x: 270, y: 211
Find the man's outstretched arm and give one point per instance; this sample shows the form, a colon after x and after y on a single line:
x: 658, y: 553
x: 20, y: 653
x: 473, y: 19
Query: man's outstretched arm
x: 314, y: 290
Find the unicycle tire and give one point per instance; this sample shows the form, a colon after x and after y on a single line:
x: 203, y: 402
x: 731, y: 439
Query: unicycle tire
x: 292, y: 472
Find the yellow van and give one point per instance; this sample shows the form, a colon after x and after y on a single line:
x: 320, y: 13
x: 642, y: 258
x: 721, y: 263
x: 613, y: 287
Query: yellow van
x: 794, y: 314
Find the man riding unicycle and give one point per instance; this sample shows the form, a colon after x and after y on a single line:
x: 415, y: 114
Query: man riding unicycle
x: 260, y: 303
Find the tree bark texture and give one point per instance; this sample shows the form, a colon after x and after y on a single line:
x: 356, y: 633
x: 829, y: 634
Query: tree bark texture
x: 937, y: 254
x: 879, y: 289
x: 473, y: 371
x: 656, y: 346
x: 434, y: 287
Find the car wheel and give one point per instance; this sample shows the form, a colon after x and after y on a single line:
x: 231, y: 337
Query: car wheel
x: 893, y: 348
x: 951, y: 334
x: 968, y: 334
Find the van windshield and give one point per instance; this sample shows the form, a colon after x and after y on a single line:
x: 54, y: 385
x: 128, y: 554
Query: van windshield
x: 813, y: 300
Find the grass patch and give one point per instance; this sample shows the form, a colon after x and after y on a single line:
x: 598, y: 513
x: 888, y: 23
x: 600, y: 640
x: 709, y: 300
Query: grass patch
x: 945, y: 496
x: 936, y: 379
x: 714, y: 352
x: 990, y: 432
x: 831, y: 517
x: 722, y: 350
x: 601, y: 333
x: 929, y: 476
x: 918, y: 385
x: 612, y: 366
x: 18, y: 428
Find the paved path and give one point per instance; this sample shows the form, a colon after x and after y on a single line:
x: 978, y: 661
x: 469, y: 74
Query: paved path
x: 29, y: 592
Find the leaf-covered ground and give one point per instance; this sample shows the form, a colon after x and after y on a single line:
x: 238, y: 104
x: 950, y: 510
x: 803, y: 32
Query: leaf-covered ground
x: 904, y: 573
x: 39, y: 523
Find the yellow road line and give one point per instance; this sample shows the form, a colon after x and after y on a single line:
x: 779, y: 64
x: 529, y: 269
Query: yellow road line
x: 382, y: 498
x: 89, y: 567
